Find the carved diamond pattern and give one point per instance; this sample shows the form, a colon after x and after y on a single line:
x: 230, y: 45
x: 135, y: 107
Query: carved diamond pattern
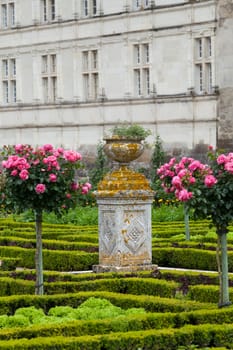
x: 135, y: 236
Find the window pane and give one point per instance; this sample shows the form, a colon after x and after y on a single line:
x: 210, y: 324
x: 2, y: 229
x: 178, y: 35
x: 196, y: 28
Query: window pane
x: 4, y: 15
x: 94, y: 59
x: 95, y: 84
x: 208, y: 47
x: 137, y: 79
x: 5, y: 92
x: 13, y: 67
x: 137, y: 4
x: 146, y: 80
x: 45, y: 89
x: 52, y: 9
x: 44, y: 64
x: 53, y: 88
x: 12, y: 14
x: 199, y: 77
x: 145, y: 49
x: 86, y: 85
x: 44, y: 10
x: 5, y: 68
x: 199, y: 48
x: 53, y: 63
x: 85, y: 7
x: 13, y: 90
x: 85, y: 60
x: 209, y: 82
x: 136, y: 54
x: 94, y: 7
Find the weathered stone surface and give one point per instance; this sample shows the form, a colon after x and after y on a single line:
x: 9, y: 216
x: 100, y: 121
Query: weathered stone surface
x: 124, y: 200
x: 224, y: 69
x: 225, y: 9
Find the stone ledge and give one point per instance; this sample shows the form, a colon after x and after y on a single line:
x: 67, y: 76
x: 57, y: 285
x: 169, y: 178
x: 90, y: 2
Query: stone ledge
x: 129, y: 268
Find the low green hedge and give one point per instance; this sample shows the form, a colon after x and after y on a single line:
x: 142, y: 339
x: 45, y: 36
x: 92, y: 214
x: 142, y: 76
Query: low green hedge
x: 131, y: 323
x: 125, y: 285
x: 206, y: 293
x: 188, y: 258
x: 9, y: 304
x: 47, y: 244
x: 11, y: 286
x: 88, y: 237
x: 8, y: 264
x: 58, y: 260
x: 170, y: 338
x: 53, y: 260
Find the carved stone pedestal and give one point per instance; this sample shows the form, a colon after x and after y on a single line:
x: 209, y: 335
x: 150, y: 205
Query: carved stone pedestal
x: 124, y: 201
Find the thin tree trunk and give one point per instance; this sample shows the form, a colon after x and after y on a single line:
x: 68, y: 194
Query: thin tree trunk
x: 39, y: 290
x: 218, y: 257
x: 186, y: 221
x: 224, y: 285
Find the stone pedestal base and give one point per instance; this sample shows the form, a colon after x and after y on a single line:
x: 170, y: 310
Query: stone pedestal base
x: 124, y: 200
x: 104, y: 268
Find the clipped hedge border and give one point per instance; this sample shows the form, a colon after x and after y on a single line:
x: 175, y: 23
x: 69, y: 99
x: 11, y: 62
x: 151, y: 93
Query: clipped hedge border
x: 8, y: 264
x: 47, y: 244
x: 171, y: 338
x: 8, y: 305
x: 53, y: 260
x: 188, y: 258
x: 11, y: 286
x: 206, y: 293
x: 73, y: 261
x: 131, y: 323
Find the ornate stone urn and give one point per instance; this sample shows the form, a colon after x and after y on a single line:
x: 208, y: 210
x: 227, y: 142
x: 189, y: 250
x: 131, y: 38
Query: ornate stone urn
x: 124, y: 199
x: 123, y: 150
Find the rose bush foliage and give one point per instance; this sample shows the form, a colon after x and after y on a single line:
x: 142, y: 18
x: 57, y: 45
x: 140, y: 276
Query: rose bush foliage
x: 40, y: 178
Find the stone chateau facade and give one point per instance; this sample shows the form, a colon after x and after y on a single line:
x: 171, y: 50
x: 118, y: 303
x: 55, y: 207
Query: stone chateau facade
x: 71, y: 69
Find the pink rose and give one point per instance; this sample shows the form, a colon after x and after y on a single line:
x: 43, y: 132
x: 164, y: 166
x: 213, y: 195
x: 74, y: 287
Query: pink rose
x: 176, y: 181
x: 40, y: 188
x: 210, y: 180
x: 24, y: 175
x: 48, y: 147
x: 74, y: 186
x: 14, y: 172
x: 182, y: 173
x: 184, y: 195
x: 88, y: 185
x: 19, y: 148
x: 52, y: 177
x: 192, y: 180
x: 68, y: 195
x: 229, y: 167
x: 195, y: 165
x: 85, y: 189
x: 221, y: 159
x: 72, y: 156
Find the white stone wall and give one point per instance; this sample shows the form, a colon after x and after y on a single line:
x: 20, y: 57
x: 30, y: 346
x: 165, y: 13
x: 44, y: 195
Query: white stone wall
x: 170, y: 110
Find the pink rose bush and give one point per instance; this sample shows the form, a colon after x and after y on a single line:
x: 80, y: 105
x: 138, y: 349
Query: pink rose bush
x: 41, y: 178
x: 182, y: 177
x: 207, y: 189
